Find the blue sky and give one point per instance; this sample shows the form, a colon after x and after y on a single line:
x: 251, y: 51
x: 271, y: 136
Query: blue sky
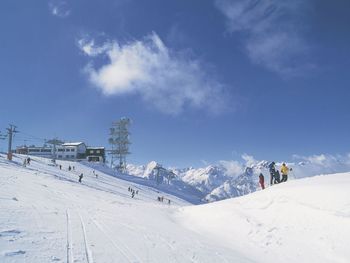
x: 202, y: 81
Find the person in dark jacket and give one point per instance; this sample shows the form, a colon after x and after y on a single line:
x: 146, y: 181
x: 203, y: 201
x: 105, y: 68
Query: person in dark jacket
x: 261, y: 181
x: 272, y: 170
x: 277, y: 177
x: 80, y: 177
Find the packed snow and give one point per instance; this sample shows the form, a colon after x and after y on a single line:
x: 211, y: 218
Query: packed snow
x: 305, y: 220
x: 46, y: 215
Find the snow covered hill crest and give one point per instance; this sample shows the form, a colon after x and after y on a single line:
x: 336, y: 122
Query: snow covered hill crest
x: 228, y: 179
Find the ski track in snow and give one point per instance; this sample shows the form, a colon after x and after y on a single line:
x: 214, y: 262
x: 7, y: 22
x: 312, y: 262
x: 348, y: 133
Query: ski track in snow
x: 87, y: 249
x: 70, y: 258
x: 124, y: 251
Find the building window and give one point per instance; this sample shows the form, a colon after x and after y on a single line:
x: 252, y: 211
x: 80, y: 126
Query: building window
x: 98, y: 151
x: 59, y: 156
x: 91, y: 151
x: 60, y: 150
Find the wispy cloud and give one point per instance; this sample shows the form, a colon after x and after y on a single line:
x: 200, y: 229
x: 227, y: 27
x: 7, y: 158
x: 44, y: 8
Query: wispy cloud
x: 59, y: 8
x: 303, y: 166
x: 168, y: 80
x: 272, y: 32
x: 321, y: 164
x: 233, y: 168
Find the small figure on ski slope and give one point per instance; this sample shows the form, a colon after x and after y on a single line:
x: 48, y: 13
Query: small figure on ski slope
x: 277, y: 177
x: 262, y: 181
x: 285, y: 170
x: 272, y: 170
x: 81, y: 177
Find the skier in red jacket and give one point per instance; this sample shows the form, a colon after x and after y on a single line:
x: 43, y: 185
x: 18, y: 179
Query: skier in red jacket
x: 261, y: 181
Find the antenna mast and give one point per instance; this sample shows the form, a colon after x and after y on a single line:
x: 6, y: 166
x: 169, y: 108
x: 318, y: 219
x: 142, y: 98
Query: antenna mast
x: 119, y: 140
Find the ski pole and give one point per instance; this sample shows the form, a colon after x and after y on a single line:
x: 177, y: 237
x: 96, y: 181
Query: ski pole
x: 292, y: 172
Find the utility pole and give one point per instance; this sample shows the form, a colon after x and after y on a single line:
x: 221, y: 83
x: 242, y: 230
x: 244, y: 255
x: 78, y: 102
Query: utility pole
x: 2, y: 136
x: 10, y: 131
x: 54, y: 142
x: 159, y: 169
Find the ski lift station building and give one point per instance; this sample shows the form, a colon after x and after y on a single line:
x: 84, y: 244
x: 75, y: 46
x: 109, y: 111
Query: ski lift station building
x: 74, y: 151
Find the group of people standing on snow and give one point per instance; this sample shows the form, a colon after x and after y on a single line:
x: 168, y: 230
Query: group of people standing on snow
x: 26, y: 161
x: 161, y: 199
x: 133, y: 192
x: 275, y: 175
x: 72, y: 168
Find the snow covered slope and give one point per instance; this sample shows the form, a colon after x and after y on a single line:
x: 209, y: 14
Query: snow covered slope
x: 47, y: 216
x: 306, y: 220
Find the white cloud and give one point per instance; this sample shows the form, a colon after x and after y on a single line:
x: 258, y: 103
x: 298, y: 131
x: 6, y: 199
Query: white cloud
x: 165, y: 79
x: 233, y: 168
x: 324, y: 160
x: 90, y: 48
x: 271, y: 31
x: 303, y: 166
x: 321, y: 164
x: 59, y: 8
x: 249, y: 160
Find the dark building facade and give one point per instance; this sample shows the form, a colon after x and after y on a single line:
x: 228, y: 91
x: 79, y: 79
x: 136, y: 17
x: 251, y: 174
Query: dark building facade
x: 95, y: 154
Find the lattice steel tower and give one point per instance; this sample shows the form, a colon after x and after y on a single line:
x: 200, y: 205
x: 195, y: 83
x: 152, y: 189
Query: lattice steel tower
x: 120, y: 141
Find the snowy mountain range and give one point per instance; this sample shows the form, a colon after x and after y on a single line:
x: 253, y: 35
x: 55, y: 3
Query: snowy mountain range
x: 213, y: 183
x: 228, y: 179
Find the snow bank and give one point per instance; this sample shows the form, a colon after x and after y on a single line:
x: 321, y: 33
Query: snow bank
x: 305, y: 220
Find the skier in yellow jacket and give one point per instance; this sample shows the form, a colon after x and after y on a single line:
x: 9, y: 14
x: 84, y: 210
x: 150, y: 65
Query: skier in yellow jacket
x: 284, y: 170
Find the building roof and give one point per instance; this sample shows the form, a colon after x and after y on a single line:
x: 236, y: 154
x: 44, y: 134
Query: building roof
x: 33, y: 147
x: 95, y: 148
x: 72, y: 143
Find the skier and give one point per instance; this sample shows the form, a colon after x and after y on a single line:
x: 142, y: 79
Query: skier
x: 277, y: 177
x: 60, y: 167
x: 81, y: 177
x: 25, y: 162
x: 261, y: 181
x: 28, y: 160
x: 272, y: 170
x: 285, y: 170
x: 132, y: 194
x: 69, y: 168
